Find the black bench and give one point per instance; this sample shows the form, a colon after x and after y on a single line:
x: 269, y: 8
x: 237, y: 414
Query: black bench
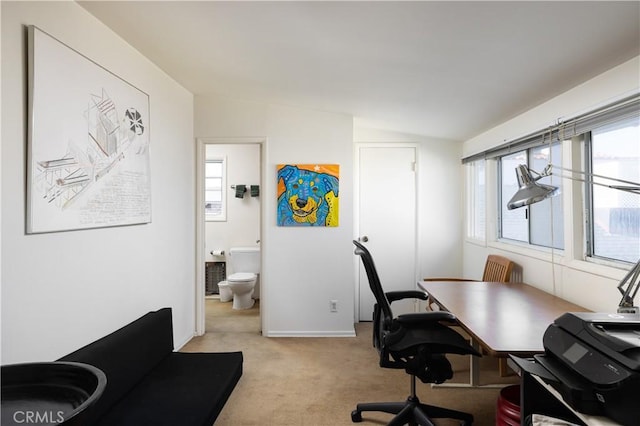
x: 150, y: 384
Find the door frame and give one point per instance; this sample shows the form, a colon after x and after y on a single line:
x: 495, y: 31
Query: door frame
x: 356, y: 210
x: 201, y: 144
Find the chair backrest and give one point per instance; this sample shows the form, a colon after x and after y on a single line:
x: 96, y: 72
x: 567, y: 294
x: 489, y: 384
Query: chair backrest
x: 497, y: 269
x: 383, y: 316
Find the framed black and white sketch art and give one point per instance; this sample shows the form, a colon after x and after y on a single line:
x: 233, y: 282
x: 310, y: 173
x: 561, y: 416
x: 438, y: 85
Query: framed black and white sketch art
x: 88, y: 142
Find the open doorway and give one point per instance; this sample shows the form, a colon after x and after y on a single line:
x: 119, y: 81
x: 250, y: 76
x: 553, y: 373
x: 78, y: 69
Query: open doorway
x: 229, y: 216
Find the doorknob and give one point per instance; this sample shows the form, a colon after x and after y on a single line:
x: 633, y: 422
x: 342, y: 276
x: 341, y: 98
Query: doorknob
x: 363, y: 239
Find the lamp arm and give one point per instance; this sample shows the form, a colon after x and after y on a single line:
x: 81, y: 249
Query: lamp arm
x: 531, y: 192
x: 539, y: 175
x: 629, y: 287
x: 630, y: 284
x: 633, y: 187
x: 630, y: 186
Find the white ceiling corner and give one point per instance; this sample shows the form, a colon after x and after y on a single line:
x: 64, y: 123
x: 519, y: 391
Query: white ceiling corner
x: 449, y: 69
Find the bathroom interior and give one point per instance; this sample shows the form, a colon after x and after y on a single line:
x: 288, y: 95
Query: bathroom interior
x: 232, y: 231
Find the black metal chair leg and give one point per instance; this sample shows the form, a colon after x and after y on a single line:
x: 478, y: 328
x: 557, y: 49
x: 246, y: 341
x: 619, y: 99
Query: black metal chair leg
x: 446, y: 413
x: 385, y: 407
x: 411, y: 411
x: 421, y: 417
x: 405, y: 416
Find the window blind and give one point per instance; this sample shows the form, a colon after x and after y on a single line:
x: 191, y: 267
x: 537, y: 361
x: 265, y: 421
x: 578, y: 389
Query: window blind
x: 624, y: 109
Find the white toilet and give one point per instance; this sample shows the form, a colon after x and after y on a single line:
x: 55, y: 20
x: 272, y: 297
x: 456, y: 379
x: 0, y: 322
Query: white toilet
x: 245, y: 264
x: 225, y: 293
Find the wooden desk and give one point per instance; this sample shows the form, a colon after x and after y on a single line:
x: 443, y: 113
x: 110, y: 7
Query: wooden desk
x: 501, y: 318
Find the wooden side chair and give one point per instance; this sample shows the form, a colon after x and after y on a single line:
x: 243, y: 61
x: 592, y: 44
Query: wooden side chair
x: 496, y: 269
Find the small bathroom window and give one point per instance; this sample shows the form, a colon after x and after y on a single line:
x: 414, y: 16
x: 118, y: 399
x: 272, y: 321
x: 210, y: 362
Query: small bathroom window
x: 215, y: 199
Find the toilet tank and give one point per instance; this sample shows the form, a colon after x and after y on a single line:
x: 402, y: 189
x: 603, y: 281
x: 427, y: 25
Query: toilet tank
x: 245, y: 259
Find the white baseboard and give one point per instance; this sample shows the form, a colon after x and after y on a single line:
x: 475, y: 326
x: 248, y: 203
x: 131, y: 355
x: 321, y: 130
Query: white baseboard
x: 181, y: 345
x: 335, y: 333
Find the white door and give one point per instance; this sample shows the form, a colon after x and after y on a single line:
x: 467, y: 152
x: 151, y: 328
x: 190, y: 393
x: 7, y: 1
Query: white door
x: 387, y: 221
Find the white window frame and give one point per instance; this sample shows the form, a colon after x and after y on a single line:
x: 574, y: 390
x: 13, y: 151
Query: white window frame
x: 222, y: 217
x: 476, y: 201
x: 590, y: 239
x: 528, y: 211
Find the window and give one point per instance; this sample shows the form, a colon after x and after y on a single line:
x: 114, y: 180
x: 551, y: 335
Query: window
x: 513, y: 223
x: 606, y: 221
x: 476, y: 204
x: 539, y: 224
x: 214, y: 195
x: 615, y: 215
x: 546, y: 217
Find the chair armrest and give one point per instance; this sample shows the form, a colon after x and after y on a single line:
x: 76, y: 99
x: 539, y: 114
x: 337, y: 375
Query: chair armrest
x: 392, y: 296
x: 416, y: 319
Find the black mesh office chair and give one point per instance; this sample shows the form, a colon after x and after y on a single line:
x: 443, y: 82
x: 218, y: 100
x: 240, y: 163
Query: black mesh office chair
x: 415, y: 342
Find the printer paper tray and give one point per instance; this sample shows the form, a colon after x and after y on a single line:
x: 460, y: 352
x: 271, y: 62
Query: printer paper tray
x: 575, y: 390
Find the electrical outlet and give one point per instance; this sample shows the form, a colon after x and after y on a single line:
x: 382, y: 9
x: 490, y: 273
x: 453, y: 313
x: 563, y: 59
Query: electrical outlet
x: 333, y: 305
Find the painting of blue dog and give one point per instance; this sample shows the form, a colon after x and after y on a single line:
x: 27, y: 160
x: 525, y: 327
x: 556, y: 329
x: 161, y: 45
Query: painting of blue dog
x: 308, y: 194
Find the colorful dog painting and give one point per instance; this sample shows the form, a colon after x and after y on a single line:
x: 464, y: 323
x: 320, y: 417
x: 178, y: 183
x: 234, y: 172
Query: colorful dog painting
x: 308, y: 195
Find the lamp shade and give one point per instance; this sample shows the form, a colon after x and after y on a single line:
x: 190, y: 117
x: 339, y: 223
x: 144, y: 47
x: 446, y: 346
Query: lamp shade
x: 530, y: 191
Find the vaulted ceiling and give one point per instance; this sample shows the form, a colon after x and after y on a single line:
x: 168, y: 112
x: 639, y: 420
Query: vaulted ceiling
x: 443, y: 69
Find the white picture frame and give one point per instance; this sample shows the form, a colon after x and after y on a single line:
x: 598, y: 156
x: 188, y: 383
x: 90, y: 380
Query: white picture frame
x: 87, y: 143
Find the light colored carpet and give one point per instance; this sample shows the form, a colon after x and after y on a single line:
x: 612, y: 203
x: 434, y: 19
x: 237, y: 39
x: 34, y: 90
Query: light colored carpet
x: 319, y: 381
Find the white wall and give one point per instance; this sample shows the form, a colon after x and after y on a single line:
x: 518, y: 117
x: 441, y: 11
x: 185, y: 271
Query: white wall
x: 587, y: 284
x: 63, y: 290
x: 440, y: 202
x: 303, y: 268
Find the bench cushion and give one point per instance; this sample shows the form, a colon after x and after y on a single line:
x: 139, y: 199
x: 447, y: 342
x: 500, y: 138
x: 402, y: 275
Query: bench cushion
x: 127, y: 355
x: 184, y: 389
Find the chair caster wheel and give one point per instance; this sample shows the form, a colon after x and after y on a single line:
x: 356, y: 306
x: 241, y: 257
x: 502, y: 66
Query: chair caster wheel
x: 356, y: 416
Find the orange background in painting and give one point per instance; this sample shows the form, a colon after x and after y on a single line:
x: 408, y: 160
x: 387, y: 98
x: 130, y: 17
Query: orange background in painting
x: 330, y: 169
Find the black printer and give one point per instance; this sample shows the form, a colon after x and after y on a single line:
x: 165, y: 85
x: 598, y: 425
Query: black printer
x: 595, y: 361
